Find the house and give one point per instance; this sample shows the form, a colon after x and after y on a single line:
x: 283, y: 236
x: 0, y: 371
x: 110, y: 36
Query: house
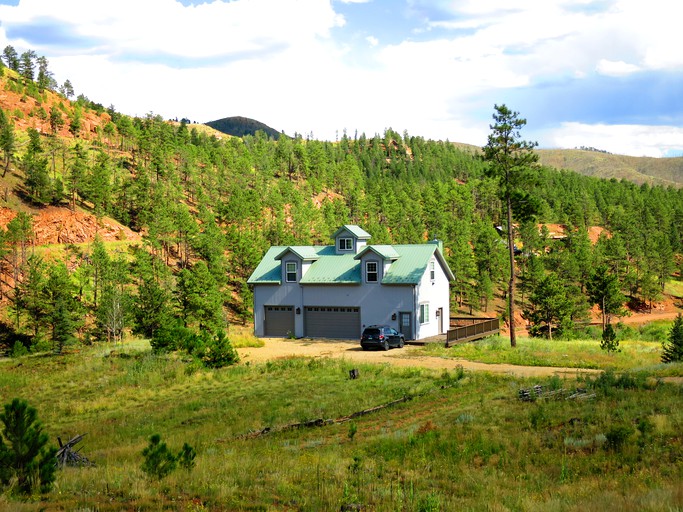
x: 334, y: 291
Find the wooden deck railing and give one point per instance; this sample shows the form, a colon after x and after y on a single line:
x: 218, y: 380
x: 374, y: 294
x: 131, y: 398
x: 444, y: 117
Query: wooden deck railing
x: 476, y: 328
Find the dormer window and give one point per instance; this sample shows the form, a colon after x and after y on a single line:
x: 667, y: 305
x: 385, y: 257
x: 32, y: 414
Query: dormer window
x: 345, y: 244
x: 371, y: 272
x: 290, y: 272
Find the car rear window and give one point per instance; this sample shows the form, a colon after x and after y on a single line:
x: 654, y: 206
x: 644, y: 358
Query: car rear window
x: 371, y: 332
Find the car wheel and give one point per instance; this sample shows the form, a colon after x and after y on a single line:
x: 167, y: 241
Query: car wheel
x: 364, y: 348
x: 401, y: 343
x: 386, y: 345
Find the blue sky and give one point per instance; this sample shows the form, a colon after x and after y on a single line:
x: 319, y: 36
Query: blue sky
x: 601, y: 73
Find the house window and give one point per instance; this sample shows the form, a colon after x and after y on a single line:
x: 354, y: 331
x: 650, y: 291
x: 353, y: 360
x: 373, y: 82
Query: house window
x: 371, y: 273
x: 424, y: 313
x: 431, y: 270
x: 290, y: 271
x: 346, y: 244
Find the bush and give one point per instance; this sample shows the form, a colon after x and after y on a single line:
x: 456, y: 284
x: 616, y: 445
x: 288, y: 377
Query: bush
x: 160, y: 461
x: 616, y: 437
x: 26, y: 456
x: 609, y: 342
x: 172, y: 336
x: 214, y: 351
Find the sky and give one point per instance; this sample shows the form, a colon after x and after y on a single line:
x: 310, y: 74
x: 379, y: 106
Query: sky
x: 606, y: 74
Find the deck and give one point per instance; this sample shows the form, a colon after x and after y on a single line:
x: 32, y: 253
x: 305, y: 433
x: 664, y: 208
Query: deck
x: 470, y: 329
x: 462, y: 330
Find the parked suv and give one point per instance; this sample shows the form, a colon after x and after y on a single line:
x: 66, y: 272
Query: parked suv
x: 381, y: 336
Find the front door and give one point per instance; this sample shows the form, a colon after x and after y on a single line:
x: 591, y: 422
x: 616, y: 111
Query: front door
x: 405, y: 323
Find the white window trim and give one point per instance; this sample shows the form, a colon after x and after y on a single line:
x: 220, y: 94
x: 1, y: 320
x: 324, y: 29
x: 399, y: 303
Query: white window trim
x: 288, y: 271
x: 368, y: 271
x: 423, y: 314
x: 345, y: 244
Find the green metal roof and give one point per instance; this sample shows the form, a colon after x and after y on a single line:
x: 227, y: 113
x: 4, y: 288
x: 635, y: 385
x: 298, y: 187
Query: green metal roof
x: 411, y: 266
x: 330, y: 268
x: 268, y: 271
x: 356, y: 231
x: 305, y: 252
x: 386, y: 252
x: 333, y: 269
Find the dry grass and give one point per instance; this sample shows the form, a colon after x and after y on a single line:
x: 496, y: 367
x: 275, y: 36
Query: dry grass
x: 464, y: 441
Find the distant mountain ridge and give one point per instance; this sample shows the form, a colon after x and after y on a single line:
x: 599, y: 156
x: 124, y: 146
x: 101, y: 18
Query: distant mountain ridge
x: 239, y: 126
x: 653, y: 171
x: 600, y: 164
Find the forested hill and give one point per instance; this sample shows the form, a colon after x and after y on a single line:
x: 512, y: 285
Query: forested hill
x: 207, y: 209
x: 240, y: 126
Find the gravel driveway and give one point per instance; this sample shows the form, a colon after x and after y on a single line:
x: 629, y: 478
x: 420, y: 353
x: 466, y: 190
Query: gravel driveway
x: 276, y: 348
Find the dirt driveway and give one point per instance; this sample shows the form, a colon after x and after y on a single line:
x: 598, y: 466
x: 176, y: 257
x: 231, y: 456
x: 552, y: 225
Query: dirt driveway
x: 406, y: 357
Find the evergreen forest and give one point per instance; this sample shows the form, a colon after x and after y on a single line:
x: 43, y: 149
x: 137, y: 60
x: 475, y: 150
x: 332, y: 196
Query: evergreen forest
x: 208, y: 206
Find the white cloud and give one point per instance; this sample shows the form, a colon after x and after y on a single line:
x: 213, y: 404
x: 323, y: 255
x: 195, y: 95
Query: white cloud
x: 619, y: 68
x: 633, y: 140
x: 295, y: 65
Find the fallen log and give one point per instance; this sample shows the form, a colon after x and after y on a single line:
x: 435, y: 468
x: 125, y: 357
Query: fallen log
x: 321, y: 422
x: 67, y: 456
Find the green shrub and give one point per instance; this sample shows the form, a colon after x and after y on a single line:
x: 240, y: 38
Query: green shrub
x: 172, y: 336
x: 616, y: 437
x: 159, y: 461
x: 609, y: 342
x: 213, y: 351
x: 186, y: 457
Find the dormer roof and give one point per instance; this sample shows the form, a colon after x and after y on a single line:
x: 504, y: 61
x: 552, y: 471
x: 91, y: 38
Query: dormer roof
x: 356, y: 231
x: 386, y: 252
x: 303, y: 252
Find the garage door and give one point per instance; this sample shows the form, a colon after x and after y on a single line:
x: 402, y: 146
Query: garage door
x: 332, y: 322
x: 279, y: 321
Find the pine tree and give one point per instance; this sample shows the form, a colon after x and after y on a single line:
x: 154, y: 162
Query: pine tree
x: 510, y: 161
x: 673, y: 347
x: 7, y: 141
x: 25, y: 456
x: 63, y: 311
x: 11, y: 57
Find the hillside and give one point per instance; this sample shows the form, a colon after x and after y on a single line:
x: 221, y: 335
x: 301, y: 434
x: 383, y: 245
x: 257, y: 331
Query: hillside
x: 240, y: 126
x: 653, y: 171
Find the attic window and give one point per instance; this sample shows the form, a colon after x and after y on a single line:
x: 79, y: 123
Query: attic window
x: 431, y: 270
x: 345, y: 244
x: 290, y: 272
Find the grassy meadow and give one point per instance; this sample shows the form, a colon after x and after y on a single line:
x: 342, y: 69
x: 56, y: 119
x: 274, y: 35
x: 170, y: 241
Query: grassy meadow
x: 640, y: 349
x: 465, y: 441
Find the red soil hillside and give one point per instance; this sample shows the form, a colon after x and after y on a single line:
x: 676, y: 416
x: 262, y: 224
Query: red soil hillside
x: 24, y: 111
x: 53, y: 225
